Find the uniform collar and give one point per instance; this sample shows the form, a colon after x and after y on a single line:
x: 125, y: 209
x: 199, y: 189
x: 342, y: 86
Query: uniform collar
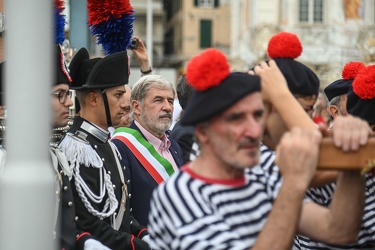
x: 92, y: 129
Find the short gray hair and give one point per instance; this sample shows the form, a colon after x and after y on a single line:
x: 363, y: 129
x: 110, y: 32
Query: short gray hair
x: 144, y: 84
x: 336, y: 101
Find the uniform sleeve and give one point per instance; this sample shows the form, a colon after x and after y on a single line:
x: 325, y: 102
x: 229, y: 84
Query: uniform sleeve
x: 102, y: 229
x: 81, y: 238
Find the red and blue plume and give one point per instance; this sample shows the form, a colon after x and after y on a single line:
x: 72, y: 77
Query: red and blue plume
x: 111, y: 21
x: 284, y: 45
x: 208, y: 69
x: 351, y: 69
x: 364, y: 84
x: 59, y: 22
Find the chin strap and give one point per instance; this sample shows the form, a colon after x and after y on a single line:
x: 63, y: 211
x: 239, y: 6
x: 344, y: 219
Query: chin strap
x: 106, y: 106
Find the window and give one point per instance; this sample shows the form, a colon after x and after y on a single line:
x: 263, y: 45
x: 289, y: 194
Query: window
x: 206, y: 34
x: 206, y: 3
x: 311, y: 11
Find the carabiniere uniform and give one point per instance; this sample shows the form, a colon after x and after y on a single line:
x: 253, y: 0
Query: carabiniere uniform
x: 99, y: 188
x: 69, y: 237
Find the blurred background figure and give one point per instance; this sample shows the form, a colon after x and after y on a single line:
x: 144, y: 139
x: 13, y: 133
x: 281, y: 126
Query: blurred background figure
x: 183, y: 135
x: 320, y: 114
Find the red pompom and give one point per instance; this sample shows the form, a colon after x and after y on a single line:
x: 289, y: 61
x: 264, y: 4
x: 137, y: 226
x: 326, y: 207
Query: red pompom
x: 364, y: 84
x: 207, y: 69
x: 284, y: 45
x: 351, y: 70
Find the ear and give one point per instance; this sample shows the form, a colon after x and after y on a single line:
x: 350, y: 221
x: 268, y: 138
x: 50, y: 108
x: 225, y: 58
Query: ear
x: 92, y: 99
x: 201, y: 133
x: 333, y: 111
x: 136, y: 106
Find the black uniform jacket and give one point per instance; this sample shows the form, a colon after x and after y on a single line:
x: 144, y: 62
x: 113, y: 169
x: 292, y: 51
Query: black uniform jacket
x: 130, y: 233
x: 69, y: 237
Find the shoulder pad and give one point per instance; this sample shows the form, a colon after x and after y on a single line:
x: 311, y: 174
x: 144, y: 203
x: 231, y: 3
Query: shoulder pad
x: 79, y: 150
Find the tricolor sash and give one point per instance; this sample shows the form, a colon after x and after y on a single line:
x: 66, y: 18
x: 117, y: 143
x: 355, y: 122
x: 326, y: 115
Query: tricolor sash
x: 157, y: 166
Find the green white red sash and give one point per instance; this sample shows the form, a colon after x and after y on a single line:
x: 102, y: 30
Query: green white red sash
x: 158, y: 167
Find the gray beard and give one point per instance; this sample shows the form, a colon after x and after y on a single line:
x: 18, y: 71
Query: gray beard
x: 155, y: 124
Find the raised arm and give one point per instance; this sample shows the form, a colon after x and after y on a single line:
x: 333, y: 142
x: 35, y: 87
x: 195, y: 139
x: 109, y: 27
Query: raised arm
x: 142, y: 56
x: 275, y: 91
x: 341, y: 222
x: 296, y: 156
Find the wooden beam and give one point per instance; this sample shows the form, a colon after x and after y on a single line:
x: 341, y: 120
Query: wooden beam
x: 333, y: 158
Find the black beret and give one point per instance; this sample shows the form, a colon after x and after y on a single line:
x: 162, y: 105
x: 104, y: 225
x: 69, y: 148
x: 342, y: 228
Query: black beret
x: 342, y: 86
x: 337, y: 88
x: 361, y: 95
x: 99, y: 73
x: 204, y: 105
x: 364, y: 109
x: 62, y: 72
x: 284, y: 47
x: 300, y: 79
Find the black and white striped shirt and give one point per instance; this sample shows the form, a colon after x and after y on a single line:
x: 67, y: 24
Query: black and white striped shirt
x: 366, y: 237
x: 192, y: 212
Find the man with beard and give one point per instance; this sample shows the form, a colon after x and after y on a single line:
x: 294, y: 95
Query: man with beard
x: 149, y: 155
x: 233, y: 195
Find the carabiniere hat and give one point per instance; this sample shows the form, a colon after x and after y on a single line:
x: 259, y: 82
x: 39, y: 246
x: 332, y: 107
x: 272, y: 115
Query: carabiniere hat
x: 361, y: 95
x: 99, y: 73
x: 284, y: 47
x: 62, y: 72
x: 342, y: 86
x: 216, y: 89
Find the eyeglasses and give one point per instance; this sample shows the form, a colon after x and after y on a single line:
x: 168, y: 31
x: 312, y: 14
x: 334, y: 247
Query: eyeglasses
x: 63, y: 95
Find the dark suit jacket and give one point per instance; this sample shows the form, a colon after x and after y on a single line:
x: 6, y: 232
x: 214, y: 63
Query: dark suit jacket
x: 184, y: 136
x: 141, y: 182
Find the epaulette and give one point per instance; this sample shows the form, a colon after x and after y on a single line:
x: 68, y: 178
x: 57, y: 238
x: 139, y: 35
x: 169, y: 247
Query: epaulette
x: 78, y: 150
x: 61, y: 159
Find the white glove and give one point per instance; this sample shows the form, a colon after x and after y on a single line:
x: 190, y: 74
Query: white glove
x: 92, y: 244
x: 146, y: 238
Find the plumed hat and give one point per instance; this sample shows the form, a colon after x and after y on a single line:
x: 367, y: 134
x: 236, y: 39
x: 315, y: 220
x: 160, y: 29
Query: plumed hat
x: 284, y: 47
x: 111, y: 21
x: 216, y: 88
x: 112, y: 24
x: 361, y: 95
x: 62, y: 72
x: 99, y: 73
x: 342, y: 86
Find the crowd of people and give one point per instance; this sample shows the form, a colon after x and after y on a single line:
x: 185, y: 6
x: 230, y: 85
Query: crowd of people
x: 237, y: 171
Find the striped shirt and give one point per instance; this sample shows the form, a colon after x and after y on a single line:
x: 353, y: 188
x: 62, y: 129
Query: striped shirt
x: 192, y: 212
x: 366, y: 237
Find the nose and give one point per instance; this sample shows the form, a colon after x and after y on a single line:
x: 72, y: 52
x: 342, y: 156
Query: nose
x: 254, y: 128
x: 167, y: 106
x: 68, y: 102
